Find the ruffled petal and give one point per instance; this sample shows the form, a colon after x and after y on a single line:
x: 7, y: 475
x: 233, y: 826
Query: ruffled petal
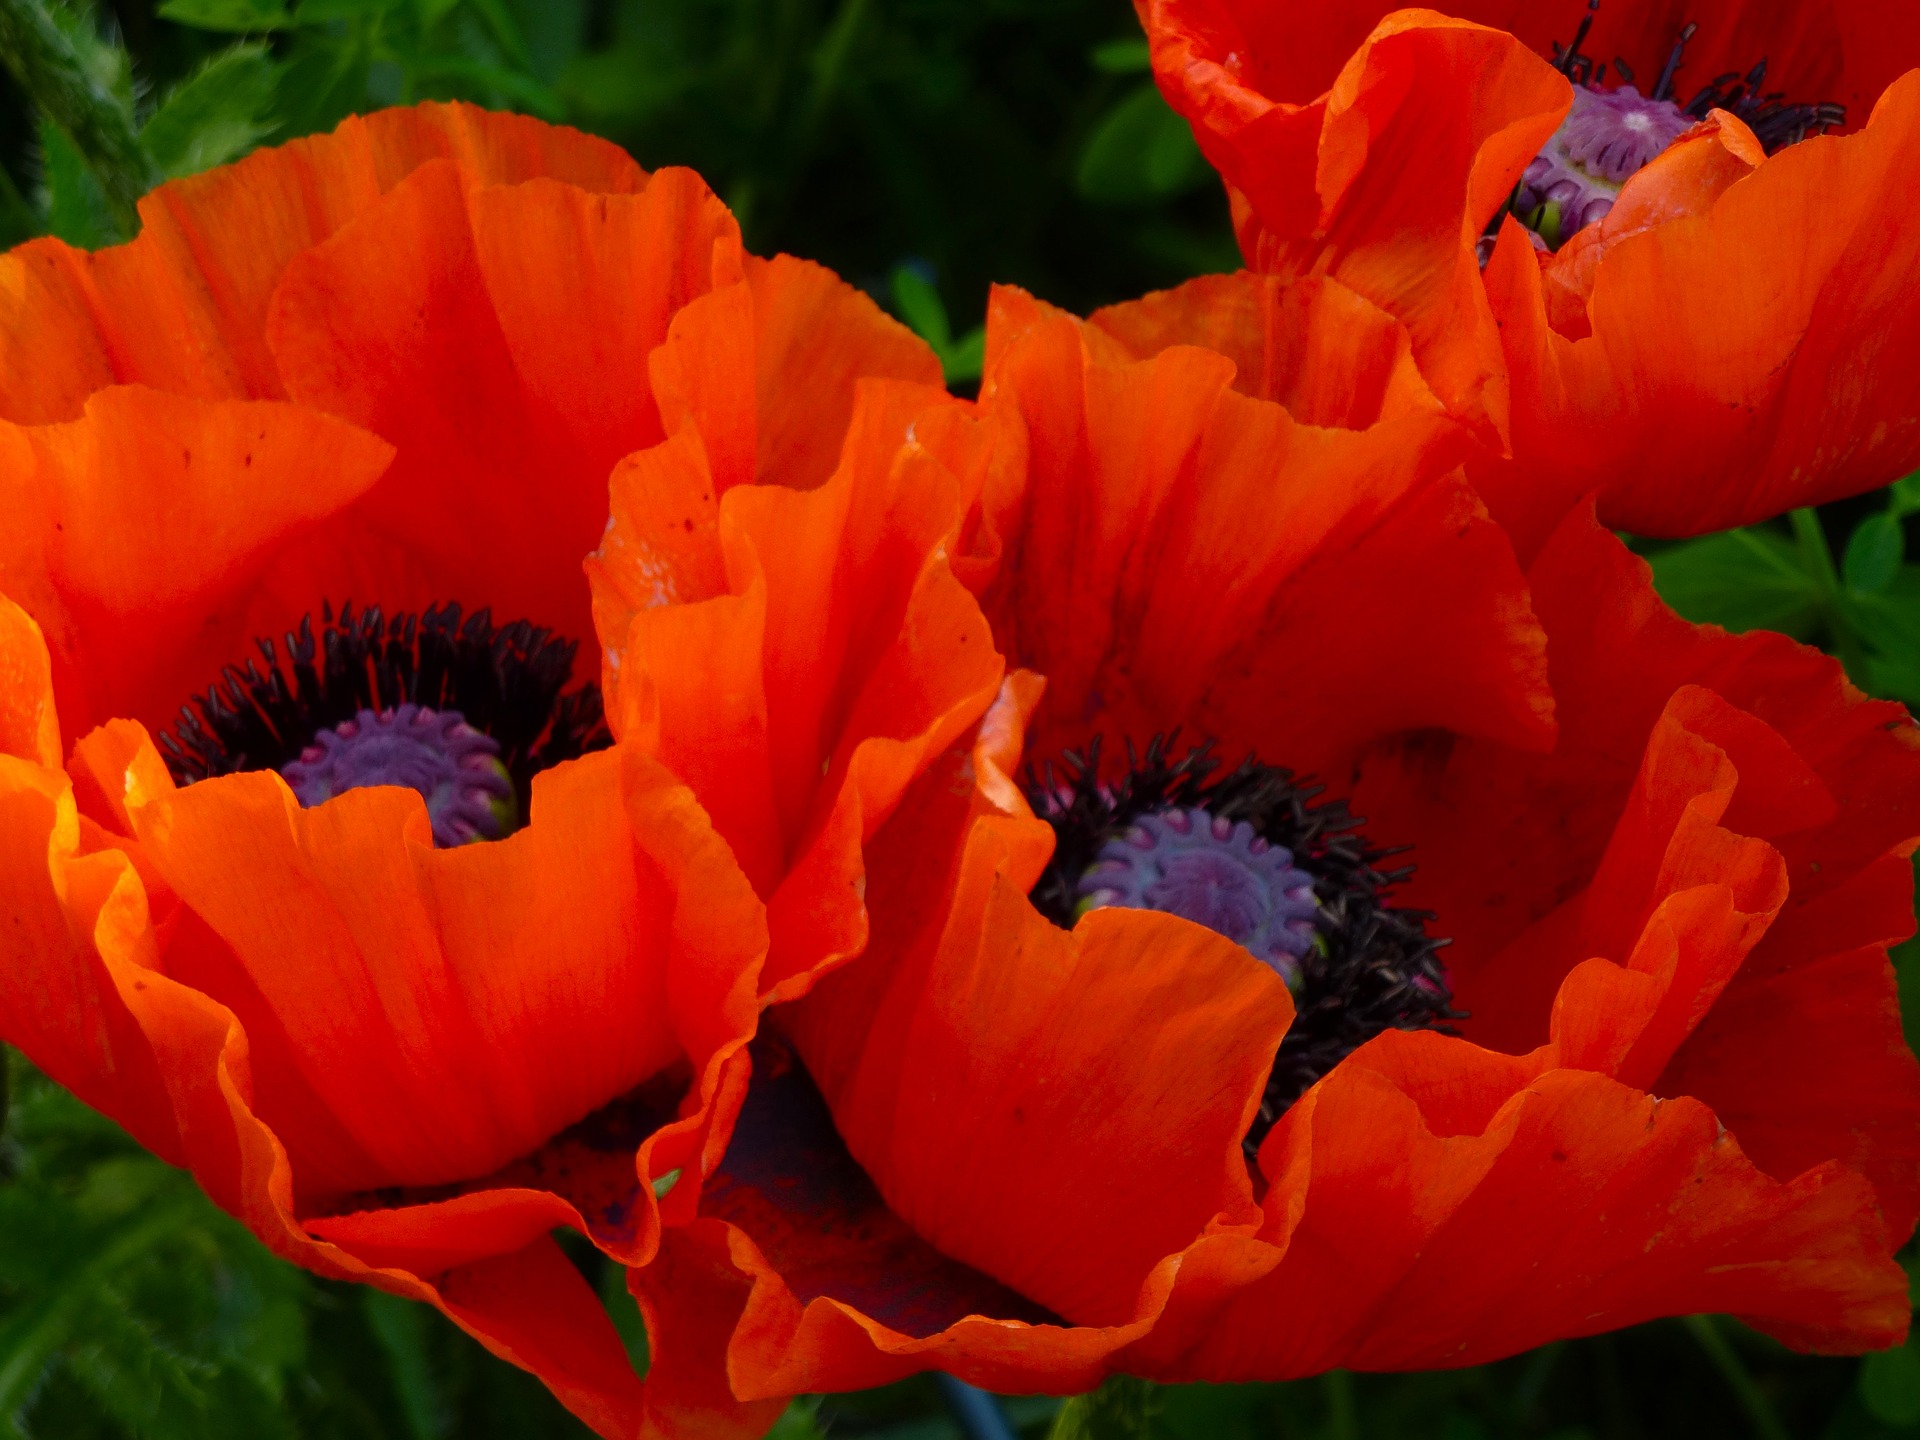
x: 584, y: 286
x: 767, y: 371
x: 1414, y: 1236
x: 1133, y: 581
x: 832, y: 1290
x: 1154, y: 1037
x: 1313, y: 346
x: 1535, y: 863
x: 1742, y: 361
x: 388, y: 324
x: 29, y: 720
x: 1684, y: 179
x: 85, y: 993
x: 139, y: 534
x: 1383, y: 181
x: 490, y: 995
x: 183, y: 307
x: 843, y: 657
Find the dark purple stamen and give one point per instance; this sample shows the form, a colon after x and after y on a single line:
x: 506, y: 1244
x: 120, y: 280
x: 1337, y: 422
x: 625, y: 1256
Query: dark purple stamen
x: 506, y: 682
x: 1215, y: 872
x: 455, y: 768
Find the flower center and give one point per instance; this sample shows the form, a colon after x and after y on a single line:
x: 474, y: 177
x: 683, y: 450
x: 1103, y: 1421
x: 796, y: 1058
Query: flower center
x: 1606, y: 137
x: 1256, y: 856
x: 1215, y: 872
x: 455, y: 768
x: 465, y: 712
x: 1610, y: 134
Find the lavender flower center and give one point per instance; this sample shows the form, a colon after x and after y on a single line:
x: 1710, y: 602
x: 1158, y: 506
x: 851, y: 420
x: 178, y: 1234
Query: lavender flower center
x: 454, y: 767
x: 1215, y: 872
x: 1608, y: 136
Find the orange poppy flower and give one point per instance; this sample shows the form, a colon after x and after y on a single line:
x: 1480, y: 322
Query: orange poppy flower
x: 1069, y: 1114
x: 1720, y: 334
x: 1032, y: 1145
x: 391, y: 366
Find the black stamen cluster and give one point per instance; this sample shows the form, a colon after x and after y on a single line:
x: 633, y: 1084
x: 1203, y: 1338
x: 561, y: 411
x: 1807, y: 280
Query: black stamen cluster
x: 506, y: 682
x: 1377, y: 969
x: 1775, y: 123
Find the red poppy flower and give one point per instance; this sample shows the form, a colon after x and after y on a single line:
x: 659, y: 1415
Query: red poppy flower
x: 1070, y: 1113
x: 393, y: 366
x: 1718, y: 337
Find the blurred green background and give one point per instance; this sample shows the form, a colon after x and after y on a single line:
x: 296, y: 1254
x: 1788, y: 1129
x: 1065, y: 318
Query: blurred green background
x: 923, y: 148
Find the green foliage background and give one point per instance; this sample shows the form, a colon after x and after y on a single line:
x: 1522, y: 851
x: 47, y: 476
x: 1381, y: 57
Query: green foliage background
x: 923, y: 148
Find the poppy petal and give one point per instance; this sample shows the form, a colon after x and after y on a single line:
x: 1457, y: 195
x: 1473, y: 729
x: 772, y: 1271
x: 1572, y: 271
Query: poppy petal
x: 839, y: 1293
x: 1323, y: 184
x: 692, y: 1297
x: 1581, y: 1206
x: 388, y: 324
x: 1829, y: 780
x: 29, y: 721
x: 1071, y: 1191
x: 1118, y: 588
x: 1315, y: 347
x: 183, y: 306
x: 801, y: 704
x: 767, y: 371
x: 1739, y: 363
x: 584, y: 287
x: 153, y: 514
x: 357, y: 889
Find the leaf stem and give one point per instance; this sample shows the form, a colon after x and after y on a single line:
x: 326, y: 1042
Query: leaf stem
x: 1728, y: 1362
x: 52, y: 73
x: 1343, y: 1406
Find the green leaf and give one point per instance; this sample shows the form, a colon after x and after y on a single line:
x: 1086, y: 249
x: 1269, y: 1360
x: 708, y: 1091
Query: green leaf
x: 1123, y: 57
x: 1890, y: 1385
x: 1742, y: 579
x: 1140, y: 153
x: 243, y: 17
x: 401, y: 1328
x: 1905, y: 494
x: 966, y: 357
x: 799, y: 1421
x: 919, y: 304
x: 477, y: 78
x: 324, y: 12
x: 216, y: 114
x: 1874, y: 553
x: 76, y: 207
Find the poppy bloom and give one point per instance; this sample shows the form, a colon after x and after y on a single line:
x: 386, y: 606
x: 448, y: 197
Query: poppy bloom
x: 372, y: 926
x: 1707, y: 325
x: 1152, y: 1061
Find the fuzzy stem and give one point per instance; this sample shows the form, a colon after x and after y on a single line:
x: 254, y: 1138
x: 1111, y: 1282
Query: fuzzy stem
x: 50, y: 70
